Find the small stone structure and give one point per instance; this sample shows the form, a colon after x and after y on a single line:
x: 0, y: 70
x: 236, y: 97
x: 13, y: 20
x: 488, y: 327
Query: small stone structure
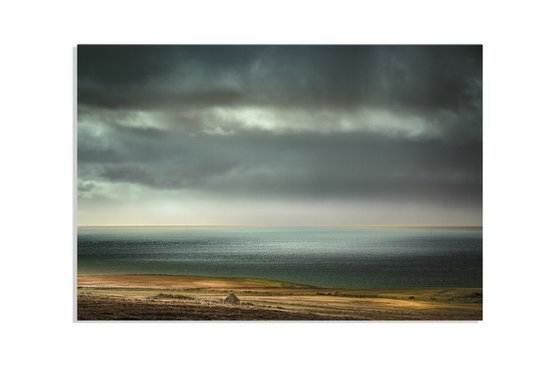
x: 231, y: 299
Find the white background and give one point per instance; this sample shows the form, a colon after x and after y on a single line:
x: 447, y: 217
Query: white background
x: 521, y: 59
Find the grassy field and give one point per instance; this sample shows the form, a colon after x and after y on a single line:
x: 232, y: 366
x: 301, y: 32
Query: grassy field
x: 170, y: 297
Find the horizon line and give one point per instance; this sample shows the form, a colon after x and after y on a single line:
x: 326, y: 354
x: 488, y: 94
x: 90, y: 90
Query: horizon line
x: 240, y: 225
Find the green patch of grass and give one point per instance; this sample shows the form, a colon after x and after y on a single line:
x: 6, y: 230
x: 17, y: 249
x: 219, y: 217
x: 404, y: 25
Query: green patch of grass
x: 173, y: 296
x: 274, y: 283
x: 359, y: 296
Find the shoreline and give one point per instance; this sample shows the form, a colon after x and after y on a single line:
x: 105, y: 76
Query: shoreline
x: 479, y: 227
x: 271, y: 281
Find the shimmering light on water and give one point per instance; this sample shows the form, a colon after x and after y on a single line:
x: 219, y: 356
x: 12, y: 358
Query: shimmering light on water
x: 329, y: 257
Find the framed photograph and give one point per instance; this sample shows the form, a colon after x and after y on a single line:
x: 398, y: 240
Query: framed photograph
x: 279, y: 182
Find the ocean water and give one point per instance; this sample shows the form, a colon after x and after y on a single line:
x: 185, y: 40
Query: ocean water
x: 325, y: 257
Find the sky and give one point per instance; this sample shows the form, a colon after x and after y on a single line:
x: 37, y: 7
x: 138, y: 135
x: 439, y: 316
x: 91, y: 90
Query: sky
x: 279, y: 135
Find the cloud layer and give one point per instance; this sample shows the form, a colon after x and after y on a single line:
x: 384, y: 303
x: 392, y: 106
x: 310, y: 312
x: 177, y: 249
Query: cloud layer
x: 200, y: 128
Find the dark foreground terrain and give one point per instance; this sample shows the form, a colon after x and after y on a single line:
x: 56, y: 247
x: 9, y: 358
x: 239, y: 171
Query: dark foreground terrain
x: 103, y: 307
x: 163, y: 297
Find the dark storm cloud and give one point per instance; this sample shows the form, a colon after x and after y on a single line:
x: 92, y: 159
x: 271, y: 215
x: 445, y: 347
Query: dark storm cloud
x: 421, y: 78
x: 131, y: 76
x: 253, y: 163
x: 401, y: 123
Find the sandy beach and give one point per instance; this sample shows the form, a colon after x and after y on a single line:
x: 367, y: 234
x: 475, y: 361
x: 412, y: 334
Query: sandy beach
x: 170, y: 297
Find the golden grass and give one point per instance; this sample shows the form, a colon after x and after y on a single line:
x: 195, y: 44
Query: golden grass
x: 264, y: 299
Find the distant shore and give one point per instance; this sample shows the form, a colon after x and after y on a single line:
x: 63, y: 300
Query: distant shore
x: 479, y: 227
x: 179, y: 297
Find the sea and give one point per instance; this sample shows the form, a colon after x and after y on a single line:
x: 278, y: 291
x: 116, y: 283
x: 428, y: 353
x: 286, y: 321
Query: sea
x: 332, y: 257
